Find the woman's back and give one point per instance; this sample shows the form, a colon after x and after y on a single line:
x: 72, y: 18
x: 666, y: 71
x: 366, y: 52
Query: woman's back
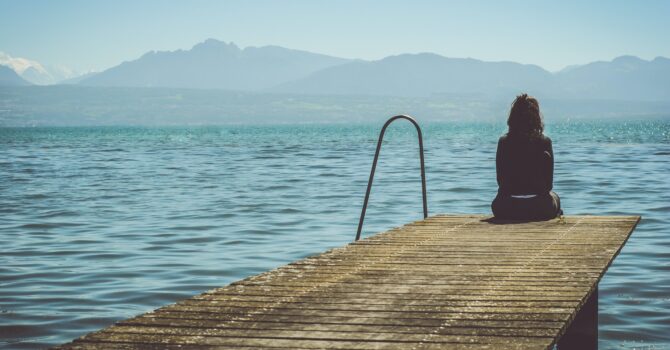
x: 524, y: 165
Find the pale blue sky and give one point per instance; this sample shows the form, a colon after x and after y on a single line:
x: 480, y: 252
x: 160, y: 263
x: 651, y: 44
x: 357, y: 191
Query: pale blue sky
x: 94, y: 35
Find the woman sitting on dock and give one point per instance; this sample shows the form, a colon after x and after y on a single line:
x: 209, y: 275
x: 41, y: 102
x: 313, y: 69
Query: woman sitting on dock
x: 525, y: 166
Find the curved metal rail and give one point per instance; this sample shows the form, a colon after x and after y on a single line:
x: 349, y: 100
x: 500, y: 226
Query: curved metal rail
x: 374, y: 166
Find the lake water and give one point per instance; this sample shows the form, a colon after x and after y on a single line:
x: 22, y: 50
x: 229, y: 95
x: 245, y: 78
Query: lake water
x: 100, y: 224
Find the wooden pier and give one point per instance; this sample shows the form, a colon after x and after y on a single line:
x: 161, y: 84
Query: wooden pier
x: 446, y: 282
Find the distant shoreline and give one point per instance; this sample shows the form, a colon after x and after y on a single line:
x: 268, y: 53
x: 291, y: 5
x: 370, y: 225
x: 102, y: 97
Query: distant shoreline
x: 98, y: 106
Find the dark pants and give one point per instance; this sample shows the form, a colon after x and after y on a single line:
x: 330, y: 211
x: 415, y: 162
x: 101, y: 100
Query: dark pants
x: 541, y: 207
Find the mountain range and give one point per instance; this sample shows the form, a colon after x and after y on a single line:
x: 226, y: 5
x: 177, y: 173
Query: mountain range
x: 624, y: 78
x: 214, y: 64
x: 8, y: 77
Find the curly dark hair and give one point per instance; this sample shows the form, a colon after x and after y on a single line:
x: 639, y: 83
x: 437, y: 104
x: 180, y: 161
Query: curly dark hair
x: 525, y: 118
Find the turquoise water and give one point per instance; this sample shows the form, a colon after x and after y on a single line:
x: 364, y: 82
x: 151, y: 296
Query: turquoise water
x: 99, y: 224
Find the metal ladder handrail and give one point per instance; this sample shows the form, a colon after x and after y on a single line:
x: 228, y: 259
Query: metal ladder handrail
x: 374, y: 166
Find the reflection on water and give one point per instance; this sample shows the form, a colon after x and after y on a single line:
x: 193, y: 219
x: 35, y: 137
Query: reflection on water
x: 99, y: 224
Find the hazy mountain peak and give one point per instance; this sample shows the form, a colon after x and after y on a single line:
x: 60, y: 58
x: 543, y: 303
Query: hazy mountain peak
x: 628, y: 59
x: 215, y: 45
x: 19, y: 64
x: 212, y: 41
x: 215, y: 64
x: 8, y: 77
x: 624, y: 78
x: 413, y: 56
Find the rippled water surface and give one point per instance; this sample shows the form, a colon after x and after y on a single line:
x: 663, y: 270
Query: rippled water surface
x: 99, y: 224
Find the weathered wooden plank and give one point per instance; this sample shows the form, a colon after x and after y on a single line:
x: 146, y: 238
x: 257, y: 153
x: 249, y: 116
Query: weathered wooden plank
x: 390, y: 309
x: 428, y: 299
x: 297, y: 331
x: 448, y: 282
x: 331, y: 301
x: 404, y: 293
x: 370, y: 316
x: 510, y: 321
x: 359, y: 341
x: 314, y: 323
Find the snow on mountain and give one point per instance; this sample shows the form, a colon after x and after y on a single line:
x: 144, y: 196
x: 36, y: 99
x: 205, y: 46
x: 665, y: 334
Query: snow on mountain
x: 35, y: 72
